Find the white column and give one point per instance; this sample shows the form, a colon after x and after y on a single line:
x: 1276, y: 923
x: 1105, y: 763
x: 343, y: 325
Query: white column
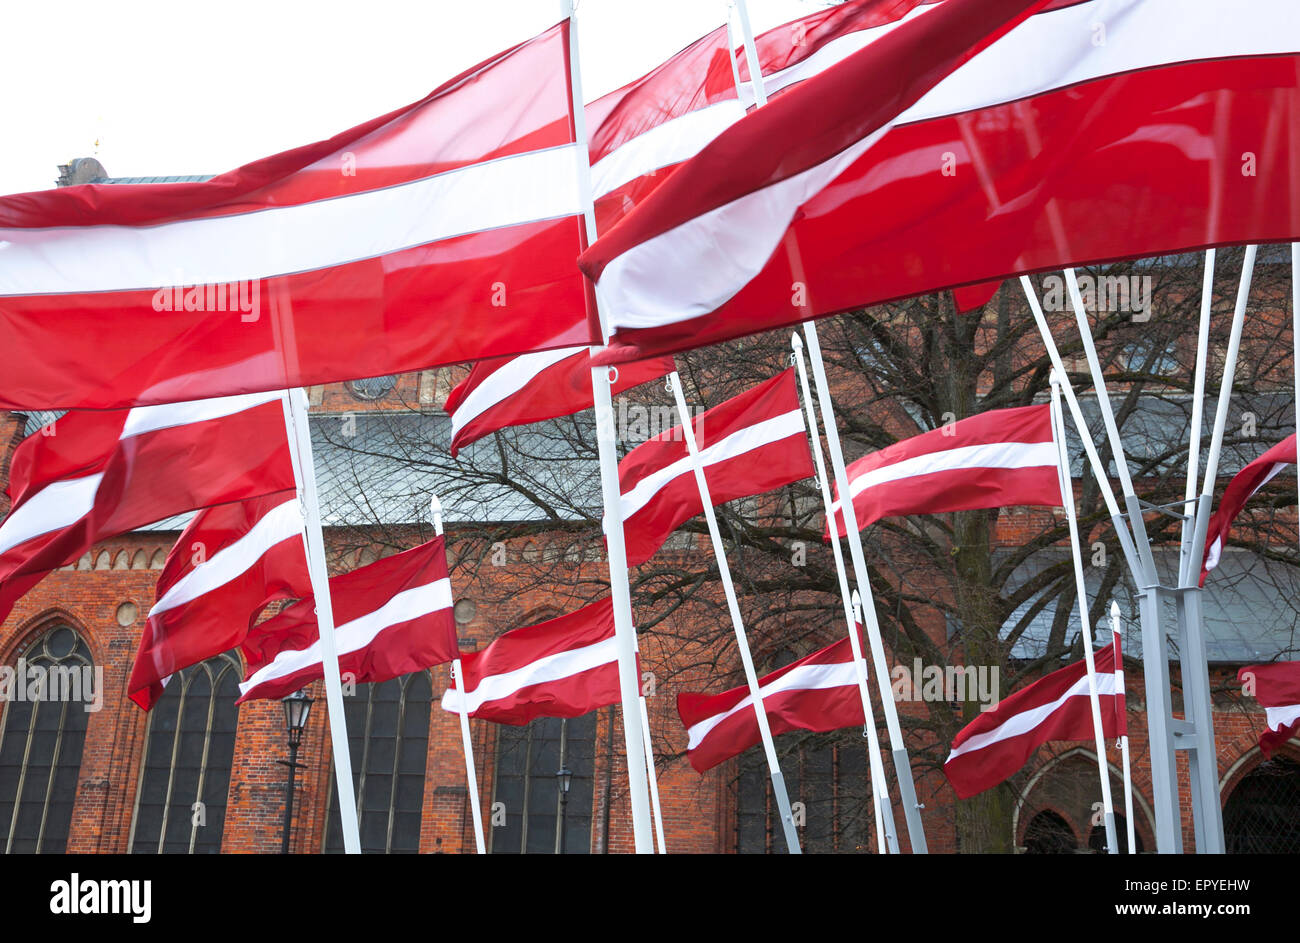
x: 1129, y: 827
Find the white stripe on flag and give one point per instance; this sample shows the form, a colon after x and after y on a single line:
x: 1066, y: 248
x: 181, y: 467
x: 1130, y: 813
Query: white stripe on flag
x: 738, y: 443
x: 55, y: 506
x: 1140, y: 34
x: 510, y: 191
x: 1279, y: 718
x: 506, y: 382
x: 804, y: 678
x: 1025, y: 721
x: 965, y: 458
x: 664, y: 145
x: 142, y: 419
x: 357, y: 634
x: 230, y: 562
x: 1216, y: 548
x: 550, y: 668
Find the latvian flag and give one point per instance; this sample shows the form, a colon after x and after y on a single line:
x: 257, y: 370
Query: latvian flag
x: 516, y: 391
x: 565, y: 667
x: 750, y: 444
x: 997, y: 743
x: 818, y: 692
x: 229, y: 563
x: 1277, y: 688
x: 949, y: 152
x: 96, y: 474
x: 448, y: 228
x: 999, y: 458
x: 1241, y: 489
x: 391, y: 617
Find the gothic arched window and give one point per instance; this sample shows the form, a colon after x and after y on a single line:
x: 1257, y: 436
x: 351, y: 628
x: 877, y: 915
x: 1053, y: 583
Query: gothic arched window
x: 526, y: 784
x: 41, y: 741
x: 181, y: 799
x: 388, y: 740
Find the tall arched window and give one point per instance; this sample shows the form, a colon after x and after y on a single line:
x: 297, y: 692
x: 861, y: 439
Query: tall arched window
x: 41, y: 742
x: 829, y: 784
x: 388, y: 739
x: 1262, y: 815
x: 528, y: 759
x: 181, y: 799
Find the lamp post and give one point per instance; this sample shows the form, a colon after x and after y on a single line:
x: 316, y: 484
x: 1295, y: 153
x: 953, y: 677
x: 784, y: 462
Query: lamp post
x: 297, y: 707
x: 565, y: 777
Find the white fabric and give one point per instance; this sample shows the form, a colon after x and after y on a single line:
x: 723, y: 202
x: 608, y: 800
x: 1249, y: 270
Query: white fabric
x: 54, y: 507
x: 1215, y: 551
x: 1025, y: 721
x: 1281, y: 717
x: 738, y: 443
x: 357, y: 634
x: 510, y: 191
x: 142, y: 419
x: 664, y: 145
x: 280, y: 523
x: 506, y: 382
x: 549, y: 669
x: 803, y: 678
x: 713, y: 256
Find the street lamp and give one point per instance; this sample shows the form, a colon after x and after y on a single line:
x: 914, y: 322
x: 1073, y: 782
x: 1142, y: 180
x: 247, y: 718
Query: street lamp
x: 565, y: 777
x: 297, y: 707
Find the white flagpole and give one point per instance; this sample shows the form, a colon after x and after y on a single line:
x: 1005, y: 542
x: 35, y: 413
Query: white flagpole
x: 1198, y: 409
x: 879, y: 785
x: 654, y: 778
x: 606, y: 440
x: 1067, y: 496
x: 902, y: 764
x: 746, y: 659
x: 1129, y: 827
x: 304, y: 472
x: 467, y: 745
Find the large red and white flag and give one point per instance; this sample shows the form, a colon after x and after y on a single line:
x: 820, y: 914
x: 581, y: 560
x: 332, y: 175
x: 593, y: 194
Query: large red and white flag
x: 229, y: 563
x: 515, y: 391
x: 999, y: 458
x: 391, y: 617
x: 750, y: 444
x: 1277, y: 688
x: 1241, y: 489
x: 640, y: 133
x: 564, y: 667
x: 971, y: 143
x: 817, y: 692
x: 448, y: 228
x: 1058, y: 706
x: 93, y: 475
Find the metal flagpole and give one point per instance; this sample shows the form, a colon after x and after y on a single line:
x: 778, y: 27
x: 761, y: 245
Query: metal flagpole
x: 467, y: 745
x: 654, y: 779
x: 1129, y: 827
x: 879, y: 785
x: 1081, y: 589
x: 304, y: 473
x: 606, y: 443
x: 1198, y: 736
x: 746, y: 659
x: 902, y: 765
x: 1198, y: 409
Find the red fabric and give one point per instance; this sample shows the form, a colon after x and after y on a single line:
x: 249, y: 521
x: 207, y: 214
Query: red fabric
x: 972, y: 297
x: 435, y: 303
x: 1277, y: 686
x: 1243, y: 486
x: 514, y: 653
x: 146, y: 478
x: 1124, y: 166
x: 965, y: 488
x: 561, y: 389
x: 399, y: 648
x: 800, y: 707
x: 218, y: 620
x: 983, y: 767
x: 747, y: 473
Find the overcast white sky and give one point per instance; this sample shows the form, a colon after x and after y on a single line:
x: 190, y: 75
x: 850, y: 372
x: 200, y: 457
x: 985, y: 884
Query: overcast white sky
x: 186, y: 88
